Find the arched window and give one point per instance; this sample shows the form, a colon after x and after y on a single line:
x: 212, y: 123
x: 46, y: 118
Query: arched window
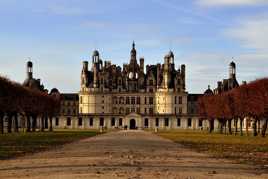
x: 80, y: 121
x: 146, y: 123
x: 69, y: 121
x: 113, y: 122
x: 91, y: 121
x: 120, y: 122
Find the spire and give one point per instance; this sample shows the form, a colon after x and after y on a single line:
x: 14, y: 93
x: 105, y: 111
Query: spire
x: 133, y: 45
x: 133, y: 54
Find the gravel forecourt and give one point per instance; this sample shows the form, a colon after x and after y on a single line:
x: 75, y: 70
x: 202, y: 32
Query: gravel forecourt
x: 124, y: 154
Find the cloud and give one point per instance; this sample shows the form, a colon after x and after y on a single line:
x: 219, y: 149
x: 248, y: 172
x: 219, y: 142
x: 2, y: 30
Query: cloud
x: 231, y: 2
x: 188, y: 12
x: 251, y: 33
x: 61, y: 10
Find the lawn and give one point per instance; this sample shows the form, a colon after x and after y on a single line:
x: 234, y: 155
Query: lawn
x: 12, y: 145
x: 242, y: 149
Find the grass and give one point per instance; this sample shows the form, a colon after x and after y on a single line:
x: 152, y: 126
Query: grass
x: 13, y: 145
x: 243, y: 149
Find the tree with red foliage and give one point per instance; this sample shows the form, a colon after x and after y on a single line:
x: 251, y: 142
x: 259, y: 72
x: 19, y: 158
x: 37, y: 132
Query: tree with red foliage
x: 249, y: 100
x: 16, y: 99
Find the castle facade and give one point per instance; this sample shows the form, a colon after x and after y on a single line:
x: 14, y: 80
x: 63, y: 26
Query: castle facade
x: 134, y: 96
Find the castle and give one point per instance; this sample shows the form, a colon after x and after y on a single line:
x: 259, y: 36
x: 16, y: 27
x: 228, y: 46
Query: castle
x: 135, y: 97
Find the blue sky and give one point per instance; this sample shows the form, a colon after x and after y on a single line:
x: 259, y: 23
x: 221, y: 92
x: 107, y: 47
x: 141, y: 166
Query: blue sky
x: 204, y: 34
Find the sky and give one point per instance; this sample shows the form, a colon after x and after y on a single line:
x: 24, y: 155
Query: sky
x: 206, y: 35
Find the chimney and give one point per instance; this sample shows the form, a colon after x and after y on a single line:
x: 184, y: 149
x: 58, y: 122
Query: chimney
x: 142, y: 65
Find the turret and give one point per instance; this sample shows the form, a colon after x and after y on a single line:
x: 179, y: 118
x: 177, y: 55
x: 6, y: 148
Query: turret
x: 29, y: 70
x: 142, y: 65
x: 84, y: 74
x: 183, y: 76
x: 232, y: 70
x: 133, y: 54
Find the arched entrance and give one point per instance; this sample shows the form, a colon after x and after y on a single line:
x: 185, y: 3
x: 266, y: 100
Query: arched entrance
x: 132, y: 124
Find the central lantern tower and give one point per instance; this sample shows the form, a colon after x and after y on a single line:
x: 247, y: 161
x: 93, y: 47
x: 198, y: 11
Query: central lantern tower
x: 133, y: 70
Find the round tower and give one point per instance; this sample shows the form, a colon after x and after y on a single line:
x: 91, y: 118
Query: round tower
x: 84, y: 75
x: 29, y: 69
x: 232, y: 70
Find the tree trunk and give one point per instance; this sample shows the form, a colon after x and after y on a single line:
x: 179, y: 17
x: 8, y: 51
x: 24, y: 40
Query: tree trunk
x: 259, y: 126
x: 254, y: 126
x: 50, y: 124
x: 42, y: 128
x: 241, y: 126
x: 230, y: 126
x: 16, y: 123
x: 247, y: 125
x: 9, y: 123
x: 211, y: 125
x: 225, y: 129
x: 34, y: 123
x: 221, y: 126
x: 264, y: 127
x: 1, y: 123
x: 28, y: 123
x: 235, y: 124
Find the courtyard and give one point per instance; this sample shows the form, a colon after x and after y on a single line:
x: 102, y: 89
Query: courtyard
x: 126, y: 154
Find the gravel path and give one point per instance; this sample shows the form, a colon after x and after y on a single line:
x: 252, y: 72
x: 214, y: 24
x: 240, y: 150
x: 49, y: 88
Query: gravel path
x: 124, y: 154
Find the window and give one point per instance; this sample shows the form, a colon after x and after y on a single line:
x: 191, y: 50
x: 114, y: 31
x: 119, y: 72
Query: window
x: 138, y: 110
x: 132, y: 100
x: 145, y: 110
x: 179, y: 82
x: 175, y: 110
x: 57, y: 121
x: 121, y: 101
x: 151, y: 82
x: 74, y: 111
x: 121, y: 110
x: 200, y: 123
x: 151, y: 111
x: 179, y: 122
x: 69, y: 121
x: 166, y: 122
x: 156, y: 122
x: 91, y: 121
x: 68, y: 111
x: 127, y: 110
x: 189, y: 122
x: 145, y: 100
x: 120, y: 122
x: 146, y: 122
x: 127, y: 100
x: 138, y: 100
x: 81, y: 99
x: 113, y: 121
x: 101, y: 121
x: 151, y: 100
x: 151, y: 90
x: 80, y: 121
x: 180, y: 110
x: 180, y: 100
x: 132, y: 109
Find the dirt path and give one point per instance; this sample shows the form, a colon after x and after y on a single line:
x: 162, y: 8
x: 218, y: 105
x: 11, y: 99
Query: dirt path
x: 131, y: 154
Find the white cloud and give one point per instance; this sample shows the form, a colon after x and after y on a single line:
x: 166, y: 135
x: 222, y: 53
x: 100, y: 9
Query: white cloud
x: 231, y: 2
x: 251, y: 33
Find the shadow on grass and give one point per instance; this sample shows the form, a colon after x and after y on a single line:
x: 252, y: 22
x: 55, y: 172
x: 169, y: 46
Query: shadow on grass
x: 13, y: 145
